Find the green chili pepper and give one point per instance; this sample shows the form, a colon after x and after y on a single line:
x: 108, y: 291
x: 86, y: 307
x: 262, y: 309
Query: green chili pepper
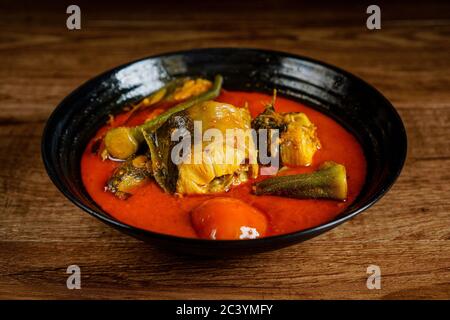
x: 123, y: 142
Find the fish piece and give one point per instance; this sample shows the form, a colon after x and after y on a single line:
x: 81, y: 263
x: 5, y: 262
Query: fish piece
x: 129, y: 175
x: 210, y: 165
x: 298, y: 141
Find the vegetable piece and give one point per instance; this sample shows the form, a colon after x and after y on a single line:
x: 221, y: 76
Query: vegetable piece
x: 269, y: 119
x: 190, y: 88
x: 298, y: 138
x: 329, y: 182
x: 123, y: 142
x: 209, y: 165
x: 129, y: 175
x: 228, y: 219
x: 208, y: 95
x: 176, y: 90
x: 164, y: 93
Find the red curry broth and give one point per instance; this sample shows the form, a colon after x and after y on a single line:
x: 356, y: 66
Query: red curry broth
x: 151, y: 209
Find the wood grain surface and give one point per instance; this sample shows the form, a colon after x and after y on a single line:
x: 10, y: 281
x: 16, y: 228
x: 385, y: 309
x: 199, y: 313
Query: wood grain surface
x: 406, y: 233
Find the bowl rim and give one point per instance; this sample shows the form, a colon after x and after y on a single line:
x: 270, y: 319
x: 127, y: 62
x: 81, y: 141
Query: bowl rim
x: 291, y: 236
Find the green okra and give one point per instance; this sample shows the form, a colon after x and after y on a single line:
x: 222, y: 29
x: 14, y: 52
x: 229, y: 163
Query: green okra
x: 329, y: 182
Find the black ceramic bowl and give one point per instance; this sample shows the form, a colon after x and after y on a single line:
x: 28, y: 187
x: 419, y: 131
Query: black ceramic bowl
x: 352, y: 102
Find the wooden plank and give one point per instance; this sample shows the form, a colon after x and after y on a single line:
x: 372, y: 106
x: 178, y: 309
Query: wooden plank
x: 406, y: 233
x: 312, y: 270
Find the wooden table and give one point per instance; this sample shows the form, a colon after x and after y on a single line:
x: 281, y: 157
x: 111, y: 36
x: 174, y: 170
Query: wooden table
x: 407, y: 233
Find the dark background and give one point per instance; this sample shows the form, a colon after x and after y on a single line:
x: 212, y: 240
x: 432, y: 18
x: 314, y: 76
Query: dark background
x: 407, y: 233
